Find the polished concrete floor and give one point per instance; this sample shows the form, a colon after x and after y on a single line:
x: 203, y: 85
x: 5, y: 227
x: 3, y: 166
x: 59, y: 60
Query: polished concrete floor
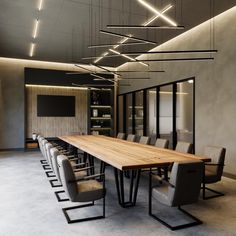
x: 28, y: 206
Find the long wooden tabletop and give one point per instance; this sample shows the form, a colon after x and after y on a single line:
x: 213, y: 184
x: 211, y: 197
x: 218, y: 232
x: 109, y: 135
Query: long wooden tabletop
x: 125, y: 155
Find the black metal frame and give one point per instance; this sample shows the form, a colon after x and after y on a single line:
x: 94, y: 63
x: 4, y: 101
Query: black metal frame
x: 174, y: 84
x: 46, y: 167
x: 69, y: 221
x: 43, y: 162
x: 59, y: 199
x: 182, y: 226
x: 48, y: 174
x: 133, y: 191
x: 204, y: 188
x: 52, y: 181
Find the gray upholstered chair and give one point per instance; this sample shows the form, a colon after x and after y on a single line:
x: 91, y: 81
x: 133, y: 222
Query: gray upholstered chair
x: 144, y: 140
x: 184, y: 147
x: 162, y: 143
x: 182, y: 189
x: 121, y: 135
x: 79, y: 173
x: 131, y: 137
x: 89, y: 190
x: 213, y: 169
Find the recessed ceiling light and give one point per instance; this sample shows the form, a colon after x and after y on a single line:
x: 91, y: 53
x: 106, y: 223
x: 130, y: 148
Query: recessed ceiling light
x: 36, y: 26
x: 32, y: 47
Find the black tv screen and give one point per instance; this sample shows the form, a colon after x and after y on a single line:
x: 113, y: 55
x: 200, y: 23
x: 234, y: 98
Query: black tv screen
x: 52, y: 106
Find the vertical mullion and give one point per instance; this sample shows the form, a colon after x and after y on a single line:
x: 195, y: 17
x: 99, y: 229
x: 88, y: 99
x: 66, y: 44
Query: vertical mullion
x: 193, y: 116
x: 124, y: 113
x: 174, y: 137
x: 158, y: 112
x: 133, y: 113
x: 144, y: 112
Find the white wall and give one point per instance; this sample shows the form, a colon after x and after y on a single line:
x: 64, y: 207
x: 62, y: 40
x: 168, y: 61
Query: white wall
x: 215, y: 93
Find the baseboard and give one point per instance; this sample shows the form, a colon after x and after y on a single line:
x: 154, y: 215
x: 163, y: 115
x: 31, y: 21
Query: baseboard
x: 11, y: 149
x: 228, y: 175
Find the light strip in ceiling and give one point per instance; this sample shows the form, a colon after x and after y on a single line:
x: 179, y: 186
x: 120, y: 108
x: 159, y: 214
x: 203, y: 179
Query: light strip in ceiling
x: 49, y: 86
x: 155, y: 11
x: 40, y: 6
x: 32, y: 48
x: 36, y: 26
x: 178, y: 59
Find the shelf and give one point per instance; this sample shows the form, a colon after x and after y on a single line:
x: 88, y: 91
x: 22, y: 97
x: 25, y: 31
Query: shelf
x: 99, y: 106
x: 100, y: 118
x: 94, y: 128
x: 136, y: 118
x: 136, y: 107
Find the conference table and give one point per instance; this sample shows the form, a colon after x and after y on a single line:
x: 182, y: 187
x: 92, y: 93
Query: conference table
x: 126, y: 156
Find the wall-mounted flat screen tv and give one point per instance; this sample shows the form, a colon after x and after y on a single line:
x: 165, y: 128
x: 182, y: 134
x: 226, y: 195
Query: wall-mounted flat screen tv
x: 55, y: 106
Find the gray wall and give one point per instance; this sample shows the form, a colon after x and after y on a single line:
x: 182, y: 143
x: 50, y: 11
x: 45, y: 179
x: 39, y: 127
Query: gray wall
x: 215, y: 81
x: 12, y: 115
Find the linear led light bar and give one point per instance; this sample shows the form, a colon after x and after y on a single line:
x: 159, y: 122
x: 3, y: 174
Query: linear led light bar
x: 155, y: 11
x: 32, y: 48
x: 102, y: 78
x: 125, y: 56
x: 81, y: 86
x: 178, y: 59
x: 105, y: 69
x: 49, y: 86
x: 145, y: 24
x: 133, y: 71
x: 35, y: 32
x: 127, y: 36
x: 171, y: 52
x: 157, y: 16
x: 40, y: 6
x: 144, y: 27
x: 114, y: 45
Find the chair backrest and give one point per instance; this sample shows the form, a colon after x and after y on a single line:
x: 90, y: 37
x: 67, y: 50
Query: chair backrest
x: 48, y: 146
x: 144, y: 140
x: 186, y: 177
x: 131, y: 137
x: 162, y: 143
x: 217, y: 155
x: 44, y: 141
x: 184, y: 147
x: 67, y: 175
x: 54, y: 154
x: 121, y: 135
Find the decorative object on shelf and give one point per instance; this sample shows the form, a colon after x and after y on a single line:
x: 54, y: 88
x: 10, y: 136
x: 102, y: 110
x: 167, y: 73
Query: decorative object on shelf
x: 95, y: 98
x: 95, y: 112
x: 34, y: 136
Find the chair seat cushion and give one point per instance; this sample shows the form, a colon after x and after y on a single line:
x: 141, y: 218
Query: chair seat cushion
x: 210, y: 177
x: 80, y: 174
x: 160, y: 193
x: 89, y: 190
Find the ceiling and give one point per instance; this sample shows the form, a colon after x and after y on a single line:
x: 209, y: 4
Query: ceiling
x: 68, y: 27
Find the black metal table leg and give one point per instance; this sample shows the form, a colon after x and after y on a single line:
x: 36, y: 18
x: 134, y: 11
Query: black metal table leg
x: 133, y: 190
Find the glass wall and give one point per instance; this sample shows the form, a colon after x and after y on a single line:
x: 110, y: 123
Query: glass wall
x: 129, y: 113
x: 120, y: 114
x: 166, y: 113
x: 138, y: 115
x: 184, y: 111
x: 152, y: 114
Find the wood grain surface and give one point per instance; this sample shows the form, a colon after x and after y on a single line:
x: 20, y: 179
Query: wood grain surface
x: 125, y: 155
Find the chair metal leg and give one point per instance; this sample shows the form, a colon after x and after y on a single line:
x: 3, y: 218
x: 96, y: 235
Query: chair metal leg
x: 194, y: 223
x: 69, y: 221
x: 204, y: 188
x: 59, y: 199
x: 52, y: 181
x: 43, y: 162
x: 46, y: 167
x: 49, y: 174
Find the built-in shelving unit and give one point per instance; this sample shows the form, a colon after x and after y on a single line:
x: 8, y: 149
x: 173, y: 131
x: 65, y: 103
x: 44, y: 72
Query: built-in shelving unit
x: 101, y: 112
